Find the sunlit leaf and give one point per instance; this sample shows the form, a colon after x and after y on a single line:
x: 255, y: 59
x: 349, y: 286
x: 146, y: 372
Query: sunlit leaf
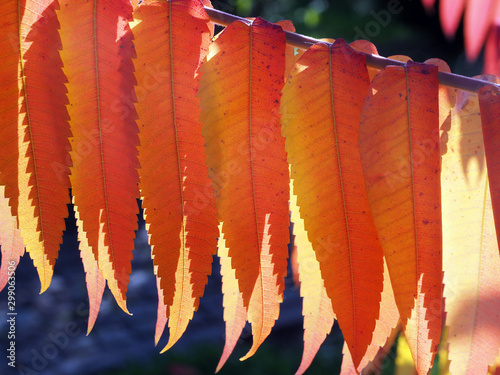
x: 321, y: 106
x: 401, y: 163
x: 235, y: 314
x: 97, y: 59
x: 316, y: 306
x: 11, y: 242
x: 34, y: 145
x: 240, y: 92
x: 178, y: 200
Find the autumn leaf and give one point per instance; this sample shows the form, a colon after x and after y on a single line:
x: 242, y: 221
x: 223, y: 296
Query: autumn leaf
x: 235, y: 314
x: 446, y: 103
x: 321, y: 105
x: 93, y: 276
x: 366, y: 47
x: 11, y: 242
x: 401, y: 163
x: 10, y: 51
x: 316, y: 306
x: 384, y: 334
x: 178, y: 199
x: 240, y: 90
x: 471, y: 259
x: 97, y: 57
x: 489, y: 103
x: 35, y: 130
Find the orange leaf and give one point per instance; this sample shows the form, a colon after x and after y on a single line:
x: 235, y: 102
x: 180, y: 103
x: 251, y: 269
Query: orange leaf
x: 316, y: 306
x: 9, y: 86
x: 384, y: 334
x: 97, y: 57
x: 235, y: 314
x: 171, y: 39
x: 290, y: 50
x: 489, y: 103
x: 446, y: 102
x: 470, y: 250
x: 321, y: 106
x: 402, y: 58
x: 36, y: 178
x: 240, y: 90
x: 366, y: 47
x: 11, y: 242
x: 401, y: 163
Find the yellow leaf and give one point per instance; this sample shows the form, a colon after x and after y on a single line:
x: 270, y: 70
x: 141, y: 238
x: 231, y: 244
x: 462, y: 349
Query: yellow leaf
x: 11, y: 242
x: 316, y: 306
x: 235, y: 314
x: 470, y: 250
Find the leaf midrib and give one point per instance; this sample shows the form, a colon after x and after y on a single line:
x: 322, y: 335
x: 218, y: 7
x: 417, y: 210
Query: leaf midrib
x: 341, y: 181
x: 182, y: 257
x: 412, y: 177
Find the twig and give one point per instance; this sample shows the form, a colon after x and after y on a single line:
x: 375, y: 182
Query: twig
x: 301, y: 41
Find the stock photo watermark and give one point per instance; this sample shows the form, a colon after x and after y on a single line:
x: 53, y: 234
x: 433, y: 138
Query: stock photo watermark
x: 11, y: 314
x: 42, y: 354
x: 380, y: 20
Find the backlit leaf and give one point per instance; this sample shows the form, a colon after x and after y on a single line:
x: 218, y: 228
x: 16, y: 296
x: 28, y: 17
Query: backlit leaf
x: 38, y: 188
x: 321, y: 106
x: 11, y: 242
x: 366, y: 47
x: 384, y: 333
x: 401, y: 163
x: 470, y: 255
x: 171, y: 39
x: 316, y: 306
x: 93, y: 276
x: 97, y: 58
x: 489, y: 103
x: 235, y: 314
x: 240, y: 89
x: 9, y: 99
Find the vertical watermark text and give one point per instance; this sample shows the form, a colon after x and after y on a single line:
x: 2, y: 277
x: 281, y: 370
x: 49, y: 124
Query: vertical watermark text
x: 11, y: 314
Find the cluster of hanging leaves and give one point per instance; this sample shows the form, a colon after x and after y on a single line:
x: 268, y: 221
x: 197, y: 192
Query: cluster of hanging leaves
x: 391, y: 180
x: 481, y: 27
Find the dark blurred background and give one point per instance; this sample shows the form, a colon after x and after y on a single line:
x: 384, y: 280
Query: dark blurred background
x: 396, y: 27
x: 51, y: 327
